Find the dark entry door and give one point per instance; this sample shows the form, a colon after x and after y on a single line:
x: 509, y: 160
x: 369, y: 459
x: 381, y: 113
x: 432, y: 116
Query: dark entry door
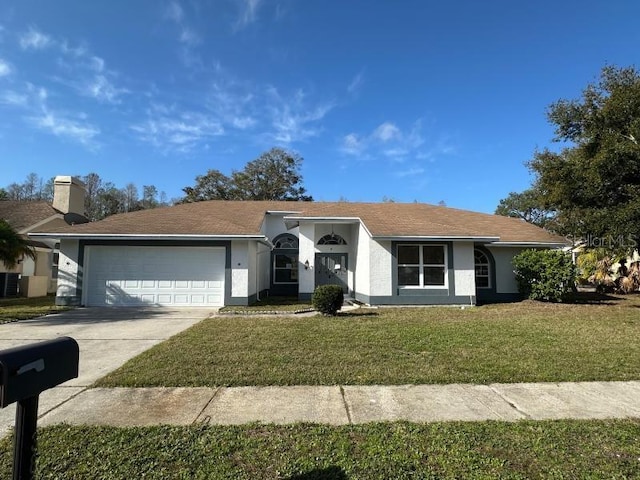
x: 332, y: 269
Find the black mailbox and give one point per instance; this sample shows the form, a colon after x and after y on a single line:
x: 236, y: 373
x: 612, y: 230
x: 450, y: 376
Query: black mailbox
x: 28, y: 370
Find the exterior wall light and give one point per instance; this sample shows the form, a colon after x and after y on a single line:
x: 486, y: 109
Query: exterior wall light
x: 306, y: 265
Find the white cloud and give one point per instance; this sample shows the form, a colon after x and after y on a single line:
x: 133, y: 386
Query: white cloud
x: 352, y: 144
x: 171, y: 130
x: 293, y: 120
x: 75, y: 51
x: 77, y: 130
x: 10, y: 97
x: 356, y: 83
x: 34, y: 102
x: 232, y: 102
x: 34, y: 39
x: 174, y: 12
x: 389, y: 141
x: 411, y: 172
x: 100, y: 88
x: 82, y: 70
x: 5, y: 68
x: 187, y: 35
x: 97, y: 64
x: 248, y: 13
x: 386, y: 132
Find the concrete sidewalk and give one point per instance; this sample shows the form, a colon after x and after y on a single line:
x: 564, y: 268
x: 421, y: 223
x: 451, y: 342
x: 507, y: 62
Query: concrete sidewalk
x: 339, y: 405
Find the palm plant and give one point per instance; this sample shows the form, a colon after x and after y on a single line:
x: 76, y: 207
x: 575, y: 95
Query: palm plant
x: 13, y: 246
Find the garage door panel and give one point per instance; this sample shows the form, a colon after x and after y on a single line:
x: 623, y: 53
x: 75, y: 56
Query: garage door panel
x: 155, y: 275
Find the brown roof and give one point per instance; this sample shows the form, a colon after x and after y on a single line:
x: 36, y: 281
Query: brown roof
x: 217, y: 217
x: 21, y: 214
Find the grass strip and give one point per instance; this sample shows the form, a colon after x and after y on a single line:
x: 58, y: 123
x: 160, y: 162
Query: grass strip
x: 13, y: 309
x: 550, y: 449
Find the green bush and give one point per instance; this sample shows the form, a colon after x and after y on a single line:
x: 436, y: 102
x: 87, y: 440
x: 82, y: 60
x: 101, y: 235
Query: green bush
x: 547, y: 275
x: 328, y: 299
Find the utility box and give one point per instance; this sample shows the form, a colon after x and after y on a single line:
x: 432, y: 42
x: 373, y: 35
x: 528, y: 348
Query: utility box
x: 29, y: 370
x: 9, y: 284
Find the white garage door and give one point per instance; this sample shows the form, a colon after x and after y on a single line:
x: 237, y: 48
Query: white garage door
x: 175, y: 276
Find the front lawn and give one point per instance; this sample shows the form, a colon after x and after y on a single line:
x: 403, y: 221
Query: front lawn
x: 12, y: 309
x: 558, y: 449
x: 520, y: 342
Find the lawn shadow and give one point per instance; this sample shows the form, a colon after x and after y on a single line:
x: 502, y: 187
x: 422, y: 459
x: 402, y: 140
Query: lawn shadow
x: 330, y: 473
x: 593, y: 298
x: 358, y: 313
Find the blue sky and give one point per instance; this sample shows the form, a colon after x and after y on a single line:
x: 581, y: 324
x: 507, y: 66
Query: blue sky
x: 412, y: 100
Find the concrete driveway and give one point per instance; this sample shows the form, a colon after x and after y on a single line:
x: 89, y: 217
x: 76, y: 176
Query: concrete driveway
x: 108, y: 337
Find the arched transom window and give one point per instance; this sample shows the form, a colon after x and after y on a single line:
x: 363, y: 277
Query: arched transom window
x: 332, y: 239
x: 483, y: 269
x: 286, y: 241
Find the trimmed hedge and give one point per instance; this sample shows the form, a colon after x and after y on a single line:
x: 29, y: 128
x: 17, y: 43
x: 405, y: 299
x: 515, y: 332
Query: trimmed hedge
x: 328, y: 299
x: 546, y: 275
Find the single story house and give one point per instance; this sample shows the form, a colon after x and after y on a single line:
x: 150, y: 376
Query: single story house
x: 37, y: 277
x: 217, y: 253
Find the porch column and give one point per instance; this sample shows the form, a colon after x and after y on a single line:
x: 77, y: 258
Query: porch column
x: 306, y: 243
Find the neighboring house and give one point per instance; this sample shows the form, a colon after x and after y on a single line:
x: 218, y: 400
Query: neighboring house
x: 34, y: 278
x: 234, y: 252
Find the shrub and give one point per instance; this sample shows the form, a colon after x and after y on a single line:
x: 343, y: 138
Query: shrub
x: 328, y: 299
x: 547, y: 275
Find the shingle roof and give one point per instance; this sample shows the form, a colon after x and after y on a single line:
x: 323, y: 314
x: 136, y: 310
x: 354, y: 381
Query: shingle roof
x: 21, y: 214
x: 217, y: 217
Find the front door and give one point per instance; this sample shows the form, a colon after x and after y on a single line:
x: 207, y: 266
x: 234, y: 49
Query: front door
x: 332, y: 269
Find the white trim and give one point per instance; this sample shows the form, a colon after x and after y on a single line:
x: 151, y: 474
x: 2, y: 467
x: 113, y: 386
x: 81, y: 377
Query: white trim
x: 438, y: 238
x: 527, y: 244
x: 421, y: 265
x: 153, y: 236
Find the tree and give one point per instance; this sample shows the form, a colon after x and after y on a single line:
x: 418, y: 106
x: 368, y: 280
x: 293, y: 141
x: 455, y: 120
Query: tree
x: 13, y: 246
x: 213, y: 186
x: 593, y: 184
x: 526, y: 206
x: 274, y: 175
x: 130, y: 198
x: 149, y: 196
x: 33, y: 188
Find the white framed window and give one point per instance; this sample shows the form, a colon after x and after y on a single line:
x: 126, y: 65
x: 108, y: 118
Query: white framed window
x: 483, y: 269
x: 422, y: 266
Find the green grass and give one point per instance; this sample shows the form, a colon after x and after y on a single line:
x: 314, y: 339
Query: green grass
x: 487, y: 450
x: 520, y: 342
x: 12, y: 309
x: 271, y: 304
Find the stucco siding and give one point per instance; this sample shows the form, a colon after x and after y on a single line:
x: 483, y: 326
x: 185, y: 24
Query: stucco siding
x: 361, y: 264
x: 380, y: 266
x: 252, y: 251
x: 505, y: 278
x: 239, y: 268
x: 306, y: 237
x: 273, y: 226
x: 464, y: 269
x: 68, y: 271
x: 264, y: 267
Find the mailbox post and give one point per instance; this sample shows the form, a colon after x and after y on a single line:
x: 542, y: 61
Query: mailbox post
x: 25, y: 372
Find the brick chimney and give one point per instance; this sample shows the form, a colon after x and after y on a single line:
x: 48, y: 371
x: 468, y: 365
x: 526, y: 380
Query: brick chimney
x: 68, y: 195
